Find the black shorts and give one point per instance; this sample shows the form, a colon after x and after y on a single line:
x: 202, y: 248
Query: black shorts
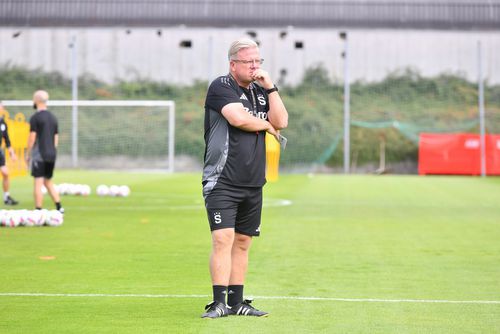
x: 43, y: 169
x: 235, y: 207
x: 2, y: 159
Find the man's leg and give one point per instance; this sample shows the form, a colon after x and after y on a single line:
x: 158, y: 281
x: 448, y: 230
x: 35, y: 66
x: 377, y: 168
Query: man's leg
x: 7, y: 199
x: 239, y: 260
x: 48, y: 172
x: 54, y: 194
x: 37, y: 192
x: 5, y: 176
x: 239, y: 266
x: 248, y: 225
x: 220, y: 270
x: 6, y: 186
x: 220, y: 259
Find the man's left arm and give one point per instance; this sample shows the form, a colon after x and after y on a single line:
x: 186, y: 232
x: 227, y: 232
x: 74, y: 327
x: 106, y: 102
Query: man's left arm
x: 277, y: 115
x: 31, y: 143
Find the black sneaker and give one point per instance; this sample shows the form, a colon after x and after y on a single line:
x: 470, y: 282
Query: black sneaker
x: 215, y: 310
x: 245, y: 308
x: 10, y: 201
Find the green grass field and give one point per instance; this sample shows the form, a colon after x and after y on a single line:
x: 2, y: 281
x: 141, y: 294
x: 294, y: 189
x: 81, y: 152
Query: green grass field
x: 381, y: 254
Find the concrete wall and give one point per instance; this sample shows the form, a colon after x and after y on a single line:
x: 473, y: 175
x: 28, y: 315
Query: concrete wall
x: 154, y: 53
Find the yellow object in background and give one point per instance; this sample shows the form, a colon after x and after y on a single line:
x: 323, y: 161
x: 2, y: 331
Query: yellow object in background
x: 19, y: 131
x: 272, y: 158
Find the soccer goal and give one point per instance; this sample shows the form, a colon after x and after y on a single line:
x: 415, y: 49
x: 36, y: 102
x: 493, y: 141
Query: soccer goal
x: 110, y: 134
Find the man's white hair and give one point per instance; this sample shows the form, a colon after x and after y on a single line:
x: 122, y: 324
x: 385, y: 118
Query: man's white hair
x: 237, y: 45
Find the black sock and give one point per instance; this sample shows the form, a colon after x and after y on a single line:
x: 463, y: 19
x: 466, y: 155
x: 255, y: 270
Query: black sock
x: 58, y: 205
x: 37, y: 208
x: 234, y: 294
x: 220, y: 293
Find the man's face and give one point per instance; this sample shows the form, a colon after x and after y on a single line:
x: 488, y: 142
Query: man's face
x: 246, y: 64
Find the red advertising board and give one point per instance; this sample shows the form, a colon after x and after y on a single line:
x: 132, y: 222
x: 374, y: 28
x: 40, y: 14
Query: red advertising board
x: 457, y: 153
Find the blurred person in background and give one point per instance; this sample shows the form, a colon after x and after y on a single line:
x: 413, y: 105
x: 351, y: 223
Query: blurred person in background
x: 42, y: 149
x: 7, y: 199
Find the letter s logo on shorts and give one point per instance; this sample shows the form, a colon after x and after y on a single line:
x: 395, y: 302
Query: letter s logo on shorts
x: 217, y: 218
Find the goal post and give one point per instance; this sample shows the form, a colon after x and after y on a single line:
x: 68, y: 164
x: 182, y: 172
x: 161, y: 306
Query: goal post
x: 111, y: 134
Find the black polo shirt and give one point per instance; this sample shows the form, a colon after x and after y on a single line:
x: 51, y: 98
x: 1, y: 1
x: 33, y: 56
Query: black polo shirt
x: 233, y: 156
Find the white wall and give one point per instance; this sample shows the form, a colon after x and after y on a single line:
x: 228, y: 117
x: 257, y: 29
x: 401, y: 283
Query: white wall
x: 111, y: 53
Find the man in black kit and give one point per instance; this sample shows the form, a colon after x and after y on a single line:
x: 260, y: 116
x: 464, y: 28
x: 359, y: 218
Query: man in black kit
x: 42, y: 149
x: 7, y: 199
x: 239, y: 109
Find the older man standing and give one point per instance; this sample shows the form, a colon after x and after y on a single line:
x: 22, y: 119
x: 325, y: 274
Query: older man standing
x: 240, y: 108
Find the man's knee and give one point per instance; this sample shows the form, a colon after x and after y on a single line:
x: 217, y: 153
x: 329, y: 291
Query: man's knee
x: 222, y: 239
x: 242, y: 242
x: 4, y: 171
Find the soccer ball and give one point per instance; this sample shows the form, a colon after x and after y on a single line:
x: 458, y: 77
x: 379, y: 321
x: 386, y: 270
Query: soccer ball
x: 13, y: 219
x: 102, y: 190
x: 43, y: 216
x: 62, y: 189
x: 124, y: 191
x: 70, y: 189
x: 85, y: 190
x: 30, y: 219
x: 54, y: 218
x: 37, y: 217
x: 114, y: 190
x: 77, y: 189
x: 23, y: 215
x: 3, y: 217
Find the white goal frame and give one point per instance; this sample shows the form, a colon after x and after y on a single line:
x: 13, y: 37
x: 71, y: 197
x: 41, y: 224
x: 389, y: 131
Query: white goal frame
x: 107, y: 103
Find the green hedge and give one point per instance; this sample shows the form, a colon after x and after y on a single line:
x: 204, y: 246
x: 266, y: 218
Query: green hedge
x: 445, y: 103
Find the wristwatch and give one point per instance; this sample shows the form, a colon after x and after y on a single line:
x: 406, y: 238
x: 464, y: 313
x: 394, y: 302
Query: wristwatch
x: 270, y: 90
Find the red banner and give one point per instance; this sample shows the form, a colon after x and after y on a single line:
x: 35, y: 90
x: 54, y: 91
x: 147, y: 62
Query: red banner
x: 457, y: 154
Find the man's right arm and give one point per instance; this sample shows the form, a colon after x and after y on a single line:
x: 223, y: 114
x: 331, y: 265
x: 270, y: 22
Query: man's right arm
x: 236, y: 115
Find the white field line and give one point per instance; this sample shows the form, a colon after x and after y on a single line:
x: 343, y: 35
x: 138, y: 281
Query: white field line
x: 358, y: 300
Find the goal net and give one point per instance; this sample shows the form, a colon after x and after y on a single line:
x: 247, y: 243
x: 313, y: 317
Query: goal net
x: 110, y: 134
